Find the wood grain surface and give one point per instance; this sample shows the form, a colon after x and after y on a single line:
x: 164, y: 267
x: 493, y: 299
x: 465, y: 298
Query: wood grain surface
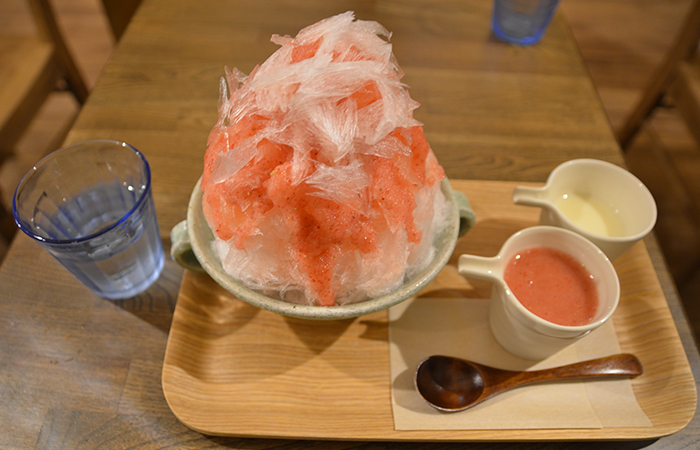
x: 232, y: 369
x: 80, y: 372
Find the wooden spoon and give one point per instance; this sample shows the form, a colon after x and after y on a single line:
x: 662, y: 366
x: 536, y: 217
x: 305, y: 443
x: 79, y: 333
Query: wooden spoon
x: 452, y: 384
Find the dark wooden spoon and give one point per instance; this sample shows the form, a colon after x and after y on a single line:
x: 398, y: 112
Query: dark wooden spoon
x: 452, y: 384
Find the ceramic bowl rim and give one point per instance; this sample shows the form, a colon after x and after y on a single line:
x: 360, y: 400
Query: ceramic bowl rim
x: 201, y: 245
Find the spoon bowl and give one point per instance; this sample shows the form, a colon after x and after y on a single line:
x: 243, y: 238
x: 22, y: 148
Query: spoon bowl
x: 451, y: 384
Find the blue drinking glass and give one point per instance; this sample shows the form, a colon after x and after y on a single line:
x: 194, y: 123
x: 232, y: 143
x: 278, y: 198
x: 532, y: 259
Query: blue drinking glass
x: 522, y: 22
x: 90, y: 206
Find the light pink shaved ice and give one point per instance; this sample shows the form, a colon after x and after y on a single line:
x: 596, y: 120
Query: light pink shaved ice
x: 319, y: 184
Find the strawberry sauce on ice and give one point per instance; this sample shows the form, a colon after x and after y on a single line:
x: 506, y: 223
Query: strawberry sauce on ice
x: 318, y: 182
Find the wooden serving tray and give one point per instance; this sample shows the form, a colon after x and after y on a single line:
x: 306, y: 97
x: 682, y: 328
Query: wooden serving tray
x: 231, y: 369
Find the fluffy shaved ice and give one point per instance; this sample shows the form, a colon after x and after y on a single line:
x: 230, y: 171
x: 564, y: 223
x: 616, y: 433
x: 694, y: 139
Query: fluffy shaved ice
x: 319, y: 184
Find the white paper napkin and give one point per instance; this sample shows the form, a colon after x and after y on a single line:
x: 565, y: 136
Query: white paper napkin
x: 422, y: 327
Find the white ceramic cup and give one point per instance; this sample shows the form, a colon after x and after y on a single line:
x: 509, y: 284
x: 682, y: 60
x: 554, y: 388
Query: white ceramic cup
x: 520, y: 331
x: 600, y: 201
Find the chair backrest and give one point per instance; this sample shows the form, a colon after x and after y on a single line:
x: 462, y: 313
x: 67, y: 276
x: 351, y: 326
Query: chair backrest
x: 685, y: 91
x: 682, y: 50
x: 31, y: 69
x: 119, y: 14
x: 48, y: 29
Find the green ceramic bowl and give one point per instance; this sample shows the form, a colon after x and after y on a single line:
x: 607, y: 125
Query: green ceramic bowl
x: 192, y: 248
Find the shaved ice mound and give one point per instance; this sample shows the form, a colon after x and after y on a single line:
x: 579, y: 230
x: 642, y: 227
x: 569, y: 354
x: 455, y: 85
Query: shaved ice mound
x: 319, y: 185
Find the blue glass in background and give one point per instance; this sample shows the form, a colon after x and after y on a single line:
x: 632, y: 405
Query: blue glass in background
x: 90, y: 206
x: 522, y: 22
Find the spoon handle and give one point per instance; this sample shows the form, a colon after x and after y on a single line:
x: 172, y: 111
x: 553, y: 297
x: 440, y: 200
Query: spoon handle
x: 617, y: 366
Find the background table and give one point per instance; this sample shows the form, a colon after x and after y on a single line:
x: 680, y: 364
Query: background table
x: 82, y: 372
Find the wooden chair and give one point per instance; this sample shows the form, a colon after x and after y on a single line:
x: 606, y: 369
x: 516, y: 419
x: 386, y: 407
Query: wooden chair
x: 678, y: 76
x: 31, y: 68
x: 119, y: 14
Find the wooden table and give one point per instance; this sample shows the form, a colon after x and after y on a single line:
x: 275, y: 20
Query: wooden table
x: 81, y: 372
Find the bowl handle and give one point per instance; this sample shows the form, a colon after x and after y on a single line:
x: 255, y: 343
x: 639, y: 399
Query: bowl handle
x: 466, y: 213
x: 181, y: 248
